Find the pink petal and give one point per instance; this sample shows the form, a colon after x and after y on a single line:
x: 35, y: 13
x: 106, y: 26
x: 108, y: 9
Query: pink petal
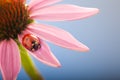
x: 44, y: 54
x: 63, y: 12
x: 9, y: 59
x: 37, y: 4
x: 57, y: 36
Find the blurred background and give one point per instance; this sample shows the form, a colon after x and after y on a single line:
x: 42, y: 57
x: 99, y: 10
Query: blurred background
x: 101, y: 33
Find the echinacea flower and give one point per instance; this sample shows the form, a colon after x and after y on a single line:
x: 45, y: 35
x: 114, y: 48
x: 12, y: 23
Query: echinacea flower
x: 17, y: 26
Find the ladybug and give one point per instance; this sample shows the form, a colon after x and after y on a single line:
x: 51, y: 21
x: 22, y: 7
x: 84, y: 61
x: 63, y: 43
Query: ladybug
x: 31, y: 42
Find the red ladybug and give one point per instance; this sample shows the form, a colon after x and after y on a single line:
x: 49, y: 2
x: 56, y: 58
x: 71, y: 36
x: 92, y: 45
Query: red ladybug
x: 31, y: 42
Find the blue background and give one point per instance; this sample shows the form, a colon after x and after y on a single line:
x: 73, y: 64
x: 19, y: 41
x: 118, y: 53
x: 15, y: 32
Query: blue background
x: 101, y: 33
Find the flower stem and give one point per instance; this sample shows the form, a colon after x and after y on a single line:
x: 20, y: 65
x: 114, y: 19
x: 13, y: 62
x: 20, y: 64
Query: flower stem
x: 28, y: 64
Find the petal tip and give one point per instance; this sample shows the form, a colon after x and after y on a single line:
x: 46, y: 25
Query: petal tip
x: 57, y: 65
x: 84, y: 49
x: 92, y: 11
x: 96, y: 10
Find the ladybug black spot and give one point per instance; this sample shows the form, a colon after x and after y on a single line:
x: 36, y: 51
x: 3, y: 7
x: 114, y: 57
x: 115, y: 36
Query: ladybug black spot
x: 35, y: 46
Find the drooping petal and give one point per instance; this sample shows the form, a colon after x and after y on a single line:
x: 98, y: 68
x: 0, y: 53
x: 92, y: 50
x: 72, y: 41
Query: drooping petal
x: 57, y: 36
x: 9, y: 59
x: 44, y: 54
x: 63, y: 12
x: 37, y: 4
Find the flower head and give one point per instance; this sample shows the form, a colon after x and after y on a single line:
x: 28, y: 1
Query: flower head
x: 17, y: 23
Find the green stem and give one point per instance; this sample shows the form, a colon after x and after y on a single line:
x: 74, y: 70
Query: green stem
x: 28, y: 64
